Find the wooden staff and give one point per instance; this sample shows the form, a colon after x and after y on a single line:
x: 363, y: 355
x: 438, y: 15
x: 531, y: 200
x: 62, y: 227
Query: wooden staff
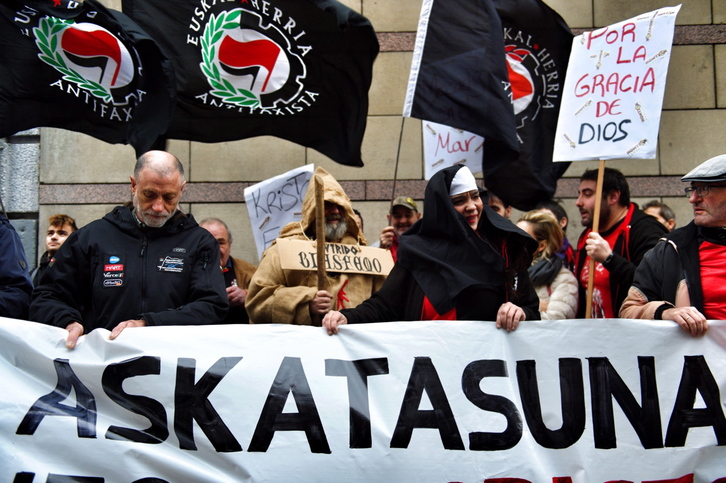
x: 320, y: 239
x: 595, y: 228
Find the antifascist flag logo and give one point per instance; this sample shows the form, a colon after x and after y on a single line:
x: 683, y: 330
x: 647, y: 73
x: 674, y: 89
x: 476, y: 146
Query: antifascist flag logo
x: 87, y: 69
x: 519, y: 78
x: 94, y: 47
x: 250, y: 63
x: 87, y: 55
x: 537, y: 44
x: 253, y: 59
x: 533, y: 75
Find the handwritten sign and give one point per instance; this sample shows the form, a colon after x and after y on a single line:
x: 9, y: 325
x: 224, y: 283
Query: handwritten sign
x: 275, y: 202
x: 556, y: 401
x: 339, y: 257
x: 613, y: 91
x: 446, y: 146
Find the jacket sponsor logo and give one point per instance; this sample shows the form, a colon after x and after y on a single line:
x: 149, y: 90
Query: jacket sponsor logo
x: 119, y: 267
x: 254, y: 60
x: 113, y: 274
x: 171, y: 264
x: 113, y: 282
x: 179, y: 250
x: 113, y: 259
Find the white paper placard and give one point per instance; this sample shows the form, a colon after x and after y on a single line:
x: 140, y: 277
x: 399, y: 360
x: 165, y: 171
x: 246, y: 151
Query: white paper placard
x: 613, y: 92
x: 275, y: 202
x: 446, y: 146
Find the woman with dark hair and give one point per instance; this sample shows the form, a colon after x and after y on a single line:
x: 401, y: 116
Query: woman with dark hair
x: 461, y: 261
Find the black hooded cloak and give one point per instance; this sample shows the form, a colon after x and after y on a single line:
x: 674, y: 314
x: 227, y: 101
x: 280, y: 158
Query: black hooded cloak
x: 442, y: 258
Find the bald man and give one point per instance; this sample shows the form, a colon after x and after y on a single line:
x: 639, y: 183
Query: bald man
x: 145, y: 263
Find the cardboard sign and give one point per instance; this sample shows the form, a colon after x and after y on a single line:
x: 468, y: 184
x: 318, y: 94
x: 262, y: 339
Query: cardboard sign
x: 274, y: 203
x: 613, y: 93
x: 446, y: 146
x: 339, y: 257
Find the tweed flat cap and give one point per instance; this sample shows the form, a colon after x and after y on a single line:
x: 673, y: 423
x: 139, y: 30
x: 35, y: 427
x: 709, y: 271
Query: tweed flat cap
x: 709, y: 171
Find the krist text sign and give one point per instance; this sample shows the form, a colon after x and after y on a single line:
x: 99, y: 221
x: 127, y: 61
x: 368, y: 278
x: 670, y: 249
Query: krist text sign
x: 275, y: 202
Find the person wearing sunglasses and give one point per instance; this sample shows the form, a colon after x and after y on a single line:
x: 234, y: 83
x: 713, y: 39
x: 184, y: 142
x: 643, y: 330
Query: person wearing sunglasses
x: 682, y: 278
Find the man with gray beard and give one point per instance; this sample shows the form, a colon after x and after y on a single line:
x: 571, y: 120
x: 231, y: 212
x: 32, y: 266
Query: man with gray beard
x: 281, y: 296
x: 140, y: 265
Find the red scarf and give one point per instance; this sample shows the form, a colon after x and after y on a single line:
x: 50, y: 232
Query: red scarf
x: 428, y: 312
x: 602, y: 306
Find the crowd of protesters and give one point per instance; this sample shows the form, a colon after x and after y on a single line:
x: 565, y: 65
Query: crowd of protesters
x: 463, y: 260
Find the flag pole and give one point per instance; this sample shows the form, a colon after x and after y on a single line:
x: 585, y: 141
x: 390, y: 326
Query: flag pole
x: 320, y: 239
x: 595, y: 229
x: 2, y: 206
x: 398, y: 157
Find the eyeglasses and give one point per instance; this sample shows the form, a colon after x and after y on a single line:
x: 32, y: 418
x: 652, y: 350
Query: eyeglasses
x: 702, y: 191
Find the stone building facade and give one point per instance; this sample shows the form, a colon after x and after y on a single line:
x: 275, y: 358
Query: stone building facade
x: 49, y: 171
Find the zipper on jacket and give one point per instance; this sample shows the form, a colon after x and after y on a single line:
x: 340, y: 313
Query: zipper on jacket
x: 144, y: 243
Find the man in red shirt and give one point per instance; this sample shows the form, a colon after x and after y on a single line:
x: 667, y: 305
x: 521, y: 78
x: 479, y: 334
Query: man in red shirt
x: 682, y: 278
x: 625, y: 235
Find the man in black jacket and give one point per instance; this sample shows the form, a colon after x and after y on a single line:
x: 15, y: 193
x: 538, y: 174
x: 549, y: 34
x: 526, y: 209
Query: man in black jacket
x: 60, y: 227
x: 625, y: 235
x: 15, y: 284
x: 144, y: 264
x: 683, y: 277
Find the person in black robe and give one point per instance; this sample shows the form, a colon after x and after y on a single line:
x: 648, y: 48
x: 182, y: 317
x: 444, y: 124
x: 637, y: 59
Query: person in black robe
x: 461, y: 261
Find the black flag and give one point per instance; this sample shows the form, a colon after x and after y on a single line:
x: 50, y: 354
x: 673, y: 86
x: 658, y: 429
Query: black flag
x: 295, y: 69
x: 90, y: 70
x: 51, y: 8
x: 459, y: 75
x: 537, y: 42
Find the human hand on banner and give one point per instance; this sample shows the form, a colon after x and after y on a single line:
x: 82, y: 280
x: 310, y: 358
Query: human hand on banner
x: 509, y: 316
x: 320, y: 304
x: 332, y: 320
x: 387, y: 236
x: 75, y: 330
x: 597, y: 248
x: 126, y: 323
x: 689, y: 318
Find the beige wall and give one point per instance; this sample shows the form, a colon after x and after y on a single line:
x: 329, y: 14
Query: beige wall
x: 691, y: 128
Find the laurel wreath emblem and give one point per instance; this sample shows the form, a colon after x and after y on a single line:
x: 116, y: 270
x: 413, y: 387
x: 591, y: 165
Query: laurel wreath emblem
x: 223, y: 89
x: 46, y: 38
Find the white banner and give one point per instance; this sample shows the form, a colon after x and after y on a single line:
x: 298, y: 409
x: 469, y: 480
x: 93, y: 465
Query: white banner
x: 579, y: 401
x: 613, y: 93
x: 275, y: 202
x: 446, y: 146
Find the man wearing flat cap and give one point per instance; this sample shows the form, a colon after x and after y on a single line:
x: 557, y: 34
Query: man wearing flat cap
x: 683, y: 277
x: 403, y: 214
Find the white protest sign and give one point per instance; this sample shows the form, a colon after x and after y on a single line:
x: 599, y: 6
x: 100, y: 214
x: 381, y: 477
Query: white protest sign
x: 613, y: 92
x: 575, y: 401
x: 275, y: 202
x: 446, y: 146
